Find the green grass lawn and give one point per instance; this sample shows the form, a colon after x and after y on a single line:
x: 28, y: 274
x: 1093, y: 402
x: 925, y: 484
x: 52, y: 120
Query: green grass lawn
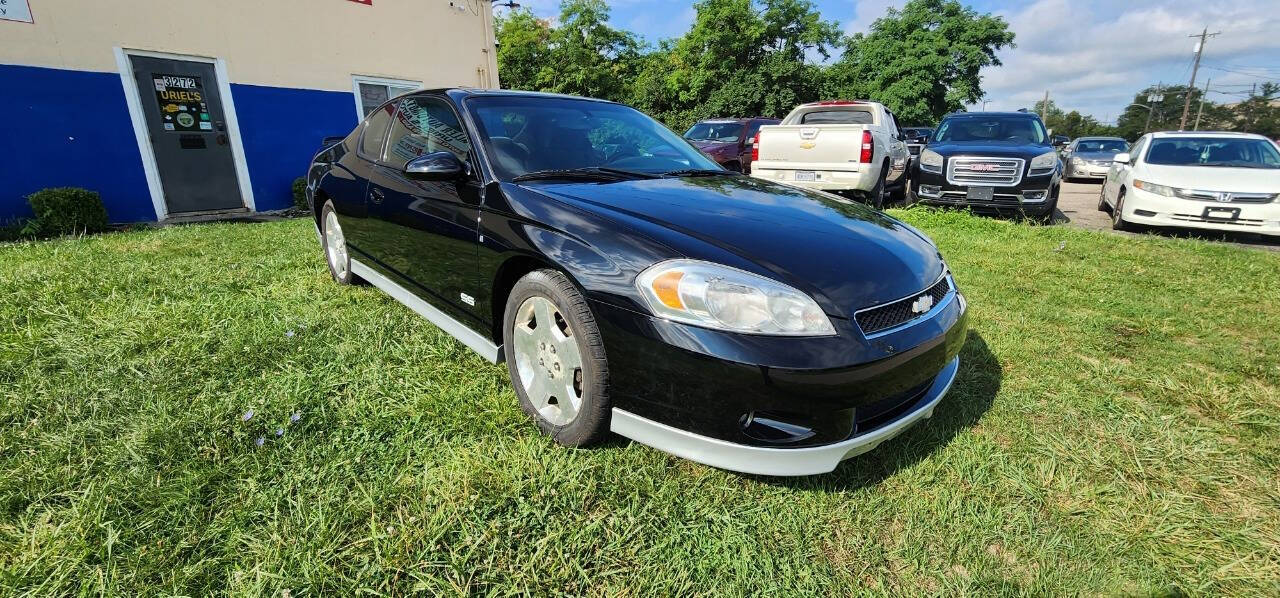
x: 1115, y: 429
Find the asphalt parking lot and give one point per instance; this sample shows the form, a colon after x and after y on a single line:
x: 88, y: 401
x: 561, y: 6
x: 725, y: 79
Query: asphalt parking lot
x: 1078, y: 206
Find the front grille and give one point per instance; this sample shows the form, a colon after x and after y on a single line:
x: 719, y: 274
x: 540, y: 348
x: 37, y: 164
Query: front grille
x: 1227, y: 197
x: 896, y: 313
x: 994, y: 172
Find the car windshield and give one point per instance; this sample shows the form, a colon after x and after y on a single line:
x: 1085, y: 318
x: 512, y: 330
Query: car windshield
x: 725, y: 132
x: 529, y: 134
x: 1015, y: 129
x: 1214, y: 151
x: 917, y: 132
x: 1108, y: 146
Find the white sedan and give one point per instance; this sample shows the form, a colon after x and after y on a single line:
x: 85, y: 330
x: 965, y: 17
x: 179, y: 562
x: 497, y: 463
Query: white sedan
x: 1220, y: 181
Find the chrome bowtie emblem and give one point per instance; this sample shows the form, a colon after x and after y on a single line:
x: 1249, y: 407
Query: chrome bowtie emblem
x: 922, y: 304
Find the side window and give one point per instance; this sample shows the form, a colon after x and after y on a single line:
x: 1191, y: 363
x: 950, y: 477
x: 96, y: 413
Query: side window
x: 752, y: 128
x: 375, y: 130
x: 892, y: 123
x: 424, y: 125
x: 1135, y: 152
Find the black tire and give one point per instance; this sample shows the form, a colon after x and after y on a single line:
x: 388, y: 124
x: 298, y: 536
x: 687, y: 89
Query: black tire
x: 591, y: 424
x: 875, y: 197
x: 1117, y: 214
x: 734, y: 166
x: 340, y: 271
x: 1102, y: 199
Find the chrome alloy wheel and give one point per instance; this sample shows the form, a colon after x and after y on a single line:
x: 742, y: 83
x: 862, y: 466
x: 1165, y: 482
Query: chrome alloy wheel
x: 548, y: 361
x: 335, y: 245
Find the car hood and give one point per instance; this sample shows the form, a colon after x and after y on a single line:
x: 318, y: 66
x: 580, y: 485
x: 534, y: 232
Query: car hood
x: 713, y: 146
x: 845, y: 254
x: 1212, y: 178
x: 999, y: 149
x: 1094, y: 155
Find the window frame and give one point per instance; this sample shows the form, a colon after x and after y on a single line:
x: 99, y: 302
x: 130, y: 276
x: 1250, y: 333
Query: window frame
x: 356, y: 80
x: 364, y: 128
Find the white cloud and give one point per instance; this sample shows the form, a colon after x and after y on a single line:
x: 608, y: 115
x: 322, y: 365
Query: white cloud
x: 1093, y: 56
x: 865, y: 12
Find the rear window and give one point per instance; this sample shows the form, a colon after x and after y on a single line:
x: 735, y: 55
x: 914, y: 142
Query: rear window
x: 837, y: 117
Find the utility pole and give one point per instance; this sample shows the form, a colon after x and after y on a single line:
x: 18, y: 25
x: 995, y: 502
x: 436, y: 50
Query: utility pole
x: 1152, y: 99
x: 1200, y: 110
x: 1044, y: 108
x: 1186, y: 104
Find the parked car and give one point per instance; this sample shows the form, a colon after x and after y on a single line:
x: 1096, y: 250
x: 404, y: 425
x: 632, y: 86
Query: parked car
x: 1196, y: 179
x: 633, y: 285
x: 998, y: 162
x: 728, y: 140
x: 916, y: 138
x: 1091, y: 157
x: 1060, y: 141
x: 851, y: 147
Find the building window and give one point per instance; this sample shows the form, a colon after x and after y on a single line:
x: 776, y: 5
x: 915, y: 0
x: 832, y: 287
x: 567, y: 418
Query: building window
x: 372, y: 92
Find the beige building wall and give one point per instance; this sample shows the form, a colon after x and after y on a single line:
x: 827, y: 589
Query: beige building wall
x: 309, y: 44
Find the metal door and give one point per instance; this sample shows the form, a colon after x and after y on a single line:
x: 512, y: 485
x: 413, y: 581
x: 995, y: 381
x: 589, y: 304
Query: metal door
x: 188, y: 132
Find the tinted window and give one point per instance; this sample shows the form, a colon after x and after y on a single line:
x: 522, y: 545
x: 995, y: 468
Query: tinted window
x: 375, y: 130
x: 1113, y: 146
x: 424, y: 125
x: 1214, y: 151
x: 838, y: 117
x: 1015, y: 129
x: 714, y: 131
x: 528, y: 134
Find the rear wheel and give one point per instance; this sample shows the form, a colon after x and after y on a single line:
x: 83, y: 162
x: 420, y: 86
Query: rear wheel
x: 875, y: 197
x: 335, y: 246
x: 1117, y: 214
x: 556, y: 359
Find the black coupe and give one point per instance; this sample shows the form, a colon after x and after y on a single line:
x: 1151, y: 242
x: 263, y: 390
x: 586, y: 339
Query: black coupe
x: 633, y: 285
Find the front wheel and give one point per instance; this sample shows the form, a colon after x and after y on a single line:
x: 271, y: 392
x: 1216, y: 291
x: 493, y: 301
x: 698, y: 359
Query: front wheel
x: 1117, y: 214
x: 556, y: 359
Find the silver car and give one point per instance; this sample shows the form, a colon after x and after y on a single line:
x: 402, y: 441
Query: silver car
x: 1090, y: 157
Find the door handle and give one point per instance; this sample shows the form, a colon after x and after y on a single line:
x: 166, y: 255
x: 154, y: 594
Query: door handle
x: 375, y: 195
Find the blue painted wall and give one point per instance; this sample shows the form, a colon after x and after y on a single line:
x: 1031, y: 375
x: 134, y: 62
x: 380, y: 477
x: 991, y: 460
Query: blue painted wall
x: 281, y: 129
x: 64, y: 128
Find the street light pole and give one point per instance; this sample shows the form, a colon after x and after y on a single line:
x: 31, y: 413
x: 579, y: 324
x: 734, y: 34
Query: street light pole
x: 984, y: 105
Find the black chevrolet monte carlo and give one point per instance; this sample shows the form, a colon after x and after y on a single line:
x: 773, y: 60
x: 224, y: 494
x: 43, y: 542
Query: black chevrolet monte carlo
x: 634, y: 286
x: 995, y: 162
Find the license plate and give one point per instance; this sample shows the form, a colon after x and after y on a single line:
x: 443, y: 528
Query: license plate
x: 980, y: 193
x: 806, y: 175
x: 1221, y: 213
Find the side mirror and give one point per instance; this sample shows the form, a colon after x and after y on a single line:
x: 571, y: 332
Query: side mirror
x: 435, y: 166
x: 1121, y: 158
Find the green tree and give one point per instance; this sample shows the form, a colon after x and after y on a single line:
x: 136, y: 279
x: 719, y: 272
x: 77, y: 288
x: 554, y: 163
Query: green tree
x: 740, y: 58
x: 1072, y: 124
x: 1260, y: 113
x: 922, y: 61
x: 582, y: 56
x: 1165, y: 106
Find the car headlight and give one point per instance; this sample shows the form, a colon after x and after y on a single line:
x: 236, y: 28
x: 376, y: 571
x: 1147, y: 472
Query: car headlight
x: 715, y: 296
x: 930, y: 161
x: 1074, y: 162
x: 1046, y: 160
x: 1153, y: 188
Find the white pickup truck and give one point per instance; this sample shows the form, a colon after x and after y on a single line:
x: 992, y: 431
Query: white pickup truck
x: 836, y: 145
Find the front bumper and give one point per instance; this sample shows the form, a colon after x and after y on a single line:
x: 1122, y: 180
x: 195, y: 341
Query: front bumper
x: 1033, y: 196
x: 1142, y: 207
x: 775, y: 405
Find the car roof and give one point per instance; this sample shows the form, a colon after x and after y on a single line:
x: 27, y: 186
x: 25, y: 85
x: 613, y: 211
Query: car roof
x: 1176, y: 134
x: 1100, y: 138
x: 734, y: 119
x: 993, y: 113
x: 462, y: 92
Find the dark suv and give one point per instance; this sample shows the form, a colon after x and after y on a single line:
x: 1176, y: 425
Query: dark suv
x: 728, y: 140
x: 1001, y: 162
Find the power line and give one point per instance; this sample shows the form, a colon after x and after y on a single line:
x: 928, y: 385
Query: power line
x: 1186, y: 104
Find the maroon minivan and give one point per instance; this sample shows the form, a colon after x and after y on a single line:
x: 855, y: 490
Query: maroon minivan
x: 728, y: 140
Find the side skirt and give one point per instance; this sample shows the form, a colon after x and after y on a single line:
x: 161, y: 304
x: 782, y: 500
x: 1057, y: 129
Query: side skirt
x: 476, y: 341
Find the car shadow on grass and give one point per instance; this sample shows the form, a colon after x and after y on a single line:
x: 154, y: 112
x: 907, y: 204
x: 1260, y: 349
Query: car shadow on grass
x: 971, y: 395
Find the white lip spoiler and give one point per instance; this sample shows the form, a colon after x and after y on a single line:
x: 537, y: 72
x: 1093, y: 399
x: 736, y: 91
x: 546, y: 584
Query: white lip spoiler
x: 775, y: 461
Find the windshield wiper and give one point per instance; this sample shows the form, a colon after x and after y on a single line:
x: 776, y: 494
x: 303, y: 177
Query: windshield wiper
x: 590, y: 173
x: 700, y: 172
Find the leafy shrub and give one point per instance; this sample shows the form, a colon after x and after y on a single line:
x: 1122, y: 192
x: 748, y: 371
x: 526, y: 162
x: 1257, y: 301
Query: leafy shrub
x: 300, y: 193
x: 65, y: 211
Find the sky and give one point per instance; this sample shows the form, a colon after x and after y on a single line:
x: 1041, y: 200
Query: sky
x: 1090, y: 55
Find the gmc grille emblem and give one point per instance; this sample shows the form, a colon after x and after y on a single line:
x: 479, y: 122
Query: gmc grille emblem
x: 922, y: 304
x: 984, y: 167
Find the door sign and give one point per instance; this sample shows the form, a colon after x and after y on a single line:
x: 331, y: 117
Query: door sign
x: 182, y: 103
x: 16, y: 10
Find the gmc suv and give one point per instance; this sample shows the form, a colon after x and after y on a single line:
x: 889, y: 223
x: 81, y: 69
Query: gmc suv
x: 1001, y: 162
